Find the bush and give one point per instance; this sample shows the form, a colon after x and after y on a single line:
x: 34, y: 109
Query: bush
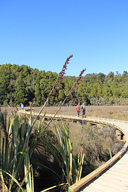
x: 108, y: 101
x: 96, y: 146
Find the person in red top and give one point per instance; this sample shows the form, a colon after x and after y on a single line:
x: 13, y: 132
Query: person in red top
x: 78, y: 109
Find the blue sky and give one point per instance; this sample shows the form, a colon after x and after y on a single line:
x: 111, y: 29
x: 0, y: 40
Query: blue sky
x: 43, y: 33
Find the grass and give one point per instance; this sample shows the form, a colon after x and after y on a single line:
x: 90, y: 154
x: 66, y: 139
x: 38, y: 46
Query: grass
x: 110, y: 112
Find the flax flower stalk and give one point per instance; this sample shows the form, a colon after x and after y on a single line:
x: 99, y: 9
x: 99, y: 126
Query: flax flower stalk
x: 73, y: 87
x: 61, y: 74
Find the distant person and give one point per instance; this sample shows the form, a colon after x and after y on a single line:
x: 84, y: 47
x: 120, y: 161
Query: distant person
x: 78, y: 109
x: 83, y: 109
x: 22, y: 106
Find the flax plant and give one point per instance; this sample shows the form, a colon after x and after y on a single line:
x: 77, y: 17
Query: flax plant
x: 15, y: 148
x: 71, y: 169
x: 16, y: 152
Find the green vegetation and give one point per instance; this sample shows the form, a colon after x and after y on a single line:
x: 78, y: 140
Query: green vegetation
x: 100, y: 144
x: 24, y: 84
x: 16, y: 151
x: 35, y: 158
x: 71, y: 169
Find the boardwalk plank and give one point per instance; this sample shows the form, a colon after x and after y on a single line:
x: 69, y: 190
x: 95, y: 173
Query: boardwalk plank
x: 114, y: 181
x: 100, y: 187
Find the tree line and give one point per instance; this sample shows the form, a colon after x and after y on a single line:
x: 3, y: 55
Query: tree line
x: 27, y: 85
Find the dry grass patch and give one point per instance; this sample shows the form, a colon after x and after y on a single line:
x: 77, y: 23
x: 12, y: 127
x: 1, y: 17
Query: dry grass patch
x: 110, y: 112
x: 75, y: 136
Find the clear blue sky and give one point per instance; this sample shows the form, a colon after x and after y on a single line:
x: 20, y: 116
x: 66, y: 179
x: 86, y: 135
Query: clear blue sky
x: 43, y: 33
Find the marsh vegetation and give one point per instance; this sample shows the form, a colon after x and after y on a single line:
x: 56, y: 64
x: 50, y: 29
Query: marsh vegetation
x: 48, y: 171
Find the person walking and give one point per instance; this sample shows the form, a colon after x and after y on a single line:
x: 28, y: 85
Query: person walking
x: 22, y: 106
x: 83, y: 109
x: 78, y: 109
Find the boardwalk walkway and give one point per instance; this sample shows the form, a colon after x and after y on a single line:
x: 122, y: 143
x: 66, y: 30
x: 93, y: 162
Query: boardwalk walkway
x: 115, y: 179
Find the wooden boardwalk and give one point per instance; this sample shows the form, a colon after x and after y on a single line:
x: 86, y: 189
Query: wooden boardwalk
x: 112, y: 176
x: 115, y: 178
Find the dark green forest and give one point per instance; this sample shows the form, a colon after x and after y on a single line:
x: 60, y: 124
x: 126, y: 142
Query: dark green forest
x: 24, y: 84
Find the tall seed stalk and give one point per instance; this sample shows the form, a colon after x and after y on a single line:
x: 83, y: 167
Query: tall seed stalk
x: 73, y: 87
x: 60, y: 76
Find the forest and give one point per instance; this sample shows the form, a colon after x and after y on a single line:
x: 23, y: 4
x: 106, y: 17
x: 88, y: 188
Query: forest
x: 27, y: 85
